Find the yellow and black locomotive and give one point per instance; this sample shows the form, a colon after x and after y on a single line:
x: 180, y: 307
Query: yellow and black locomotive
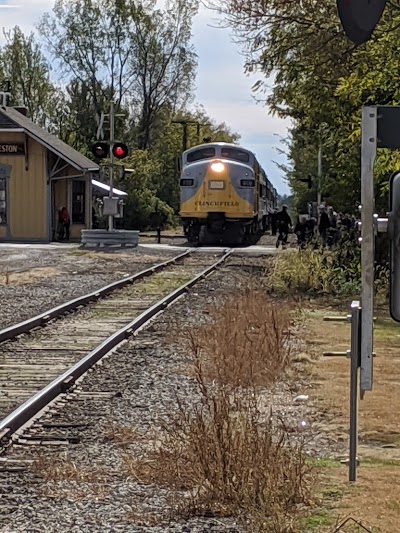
x: 225, y: 194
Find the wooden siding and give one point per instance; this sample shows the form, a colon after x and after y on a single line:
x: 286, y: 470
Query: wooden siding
x: 27, y: 192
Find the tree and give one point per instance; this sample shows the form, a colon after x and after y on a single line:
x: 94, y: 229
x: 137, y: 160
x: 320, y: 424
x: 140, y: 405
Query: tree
x: 142, y: 201
x: 163, y: 60
x: 125, y: 51
x: 320, y: 79
x: 90, y: 41
x: 24, y: 65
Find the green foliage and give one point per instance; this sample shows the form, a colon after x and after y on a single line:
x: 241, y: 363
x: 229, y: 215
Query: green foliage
x: 321, y: 81
x: 318, y: 270
x: 142, y: 202
x: 23, y: 64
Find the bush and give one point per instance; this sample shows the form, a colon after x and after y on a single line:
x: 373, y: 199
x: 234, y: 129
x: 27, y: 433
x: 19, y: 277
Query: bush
x: 225, y: 455
x: 319, y: 270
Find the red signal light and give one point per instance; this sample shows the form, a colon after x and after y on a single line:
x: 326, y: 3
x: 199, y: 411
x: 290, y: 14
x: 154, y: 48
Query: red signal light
x: 120, y: 150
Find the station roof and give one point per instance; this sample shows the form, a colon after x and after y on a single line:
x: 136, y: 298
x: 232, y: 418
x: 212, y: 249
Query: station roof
x: 11, y: 120
x: 105, y: 187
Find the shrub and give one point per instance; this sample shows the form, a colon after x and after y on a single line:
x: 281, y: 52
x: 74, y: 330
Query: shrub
x: 318, y: 270
x: 225, y: 455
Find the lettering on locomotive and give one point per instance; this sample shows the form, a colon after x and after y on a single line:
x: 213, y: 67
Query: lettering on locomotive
x: 216, y: 204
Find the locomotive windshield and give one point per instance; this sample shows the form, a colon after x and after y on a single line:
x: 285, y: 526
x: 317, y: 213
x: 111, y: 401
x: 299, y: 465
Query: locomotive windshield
x: 203, y: 153
x: 236, y: 154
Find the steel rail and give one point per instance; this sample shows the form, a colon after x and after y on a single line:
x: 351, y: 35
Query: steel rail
x: 40, y: 320
x: 60, y: 385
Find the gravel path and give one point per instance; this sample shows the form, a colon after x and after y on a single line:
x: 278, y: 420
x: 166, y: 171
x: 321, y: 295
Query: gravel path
x: 35, y: 280
x: 138, y: 392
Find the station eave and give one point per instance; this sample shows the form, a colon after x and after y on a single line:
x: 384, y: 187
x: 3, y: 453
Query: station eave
x: 12, y: 121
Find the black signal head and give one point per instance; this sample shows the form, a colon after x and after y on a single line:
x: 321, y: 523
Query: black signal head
x: 100, y: 149
x: 359, y: 17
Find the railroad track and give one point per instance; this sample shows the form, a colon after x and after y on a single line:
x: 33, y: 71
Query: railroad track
x: 36, y: 368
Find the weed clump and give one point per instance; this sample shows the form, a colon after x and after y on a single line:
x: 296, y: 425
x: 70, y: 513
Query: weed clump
x: 224, y: 455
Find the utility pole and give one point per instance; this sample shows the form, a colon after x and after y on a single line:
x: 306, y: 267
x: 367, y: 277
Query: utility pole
x: 319, y: 174
x: 111, y: 166
x: 184, y: 124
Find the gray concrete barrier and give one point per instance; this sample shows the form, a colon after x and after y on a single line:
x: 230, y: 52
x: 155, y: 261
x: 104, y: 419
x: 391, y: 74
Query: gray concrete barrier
x: 102, y: 237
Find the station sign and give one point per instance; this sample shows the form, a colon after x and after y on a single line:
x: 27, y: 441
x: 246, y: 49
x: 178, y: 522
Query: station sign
x: 12, y: 149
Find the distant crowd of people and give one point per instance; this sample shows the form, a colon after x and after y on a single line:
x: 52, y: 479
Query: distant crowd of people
x: 328, y: 227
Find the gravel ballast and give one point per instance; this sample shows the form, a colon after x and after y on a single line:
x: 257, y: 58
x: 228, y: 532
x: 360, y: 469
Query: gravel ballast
x: 33, y: 280
x: 135, y: 387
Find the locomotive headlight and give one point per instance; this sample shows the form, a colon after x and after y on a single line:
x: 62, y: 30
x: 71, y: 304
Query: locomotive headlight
x: 217, y: 167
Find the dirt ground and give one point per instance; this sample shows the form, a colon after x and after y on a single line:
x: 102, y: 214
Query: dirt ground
x: 374, y: 500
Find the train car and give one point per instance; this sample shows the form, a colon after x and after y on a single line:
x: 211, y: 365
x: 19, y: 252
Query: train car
x: 225, y: 194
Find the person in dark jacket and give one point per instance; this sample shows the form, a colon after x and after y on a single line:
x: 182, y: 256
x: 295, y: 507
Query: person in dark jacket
x: 284, y: 223
x: 66, y: 221
x: 324, y: 224
x: 300, y: 231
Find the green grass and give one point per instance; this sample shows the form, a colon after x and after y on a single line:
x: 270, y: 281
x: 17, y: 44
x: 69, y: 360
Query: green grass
x: 375, y: 462
x: 161, y: 283
x: 385, y: 328
x: 323, y: 463
x: 316, y: 521
x: 78, y: 252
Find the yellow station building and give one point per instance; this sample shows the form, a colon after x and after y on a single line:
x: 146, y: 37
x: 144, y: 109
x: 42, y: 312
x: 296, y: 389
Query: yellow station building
x: 39, y: 174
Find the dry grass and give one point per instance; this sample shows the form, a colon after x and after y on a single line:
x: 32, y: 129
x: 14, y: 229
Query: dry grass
x: 29, y: 276
x: 76, y: 493
x: 247, y: 342
x: 374, y: 498
x: 220, y: 456
x: 123, y: 436
x: 65, y: 469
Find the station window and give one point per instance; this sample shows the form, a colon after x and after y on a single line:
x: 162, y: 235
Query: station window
x: 78, y: 201
x: 3, y: 201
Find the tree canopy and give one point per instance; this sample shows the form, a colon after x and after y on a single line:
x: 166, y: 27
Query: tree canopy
x: 88, y: 53
x: 321, y: 81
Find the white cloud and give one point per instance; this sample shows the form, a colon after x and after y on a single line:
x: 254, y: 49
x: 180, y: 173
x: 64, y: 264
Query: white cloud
x: 26, y: 17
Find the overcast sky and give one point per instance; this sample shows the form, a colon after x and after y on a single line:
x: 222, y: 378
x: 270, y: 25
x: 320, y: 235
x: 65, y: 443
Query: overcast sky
x: 222, y: 87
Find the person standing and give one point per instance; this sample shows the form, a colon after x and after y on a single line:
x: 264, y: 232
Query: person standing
x: 324, y: 224
x: 66, y: 221
x: 284, y: 223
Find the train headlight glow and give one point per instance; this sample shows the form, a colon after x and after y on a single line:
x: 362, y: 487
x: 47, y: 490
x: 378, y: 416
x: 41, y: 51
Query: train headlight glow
x: 217, y: 167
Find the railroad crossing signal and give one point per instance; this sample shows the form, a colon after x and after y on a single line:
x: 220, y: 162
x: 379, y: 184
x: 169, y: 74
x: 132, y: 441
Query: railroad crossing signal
x: 307, y: 180
x: 359, y: 17
x: 101, y: 150
x: 120, y: 150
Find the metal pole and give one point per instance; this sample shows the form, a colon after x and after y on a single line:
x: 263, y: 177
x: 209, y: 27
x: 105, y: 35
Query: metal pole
x: 354, y: 364
x: 111, y: 167
x: 319, y: 174
x: 368, y: 154
x: 184, y: 138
